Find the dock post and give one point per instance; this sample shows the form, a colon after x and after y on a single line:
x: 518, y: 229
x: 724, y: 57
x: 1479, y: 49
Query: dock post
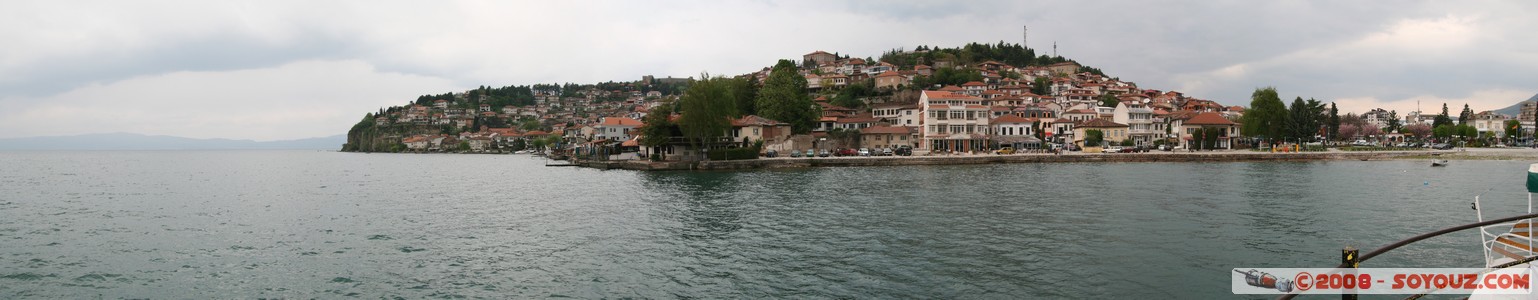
x: 1348, y: 258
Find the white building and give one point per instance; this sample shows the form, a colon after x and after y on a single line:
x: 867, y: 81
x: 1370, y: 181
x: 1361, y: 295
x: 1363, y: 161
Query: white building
x: 953, y: 121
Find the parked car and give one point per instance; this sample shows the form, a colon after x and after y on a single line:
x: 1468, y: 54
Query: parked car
x: 864, y: 151
x: 771, y: 153
x: 1442, y: 146
x: 1111, y: 149
x: 811, y: 153
x: 1005, y: 150
x: 903, y: 150
x: 887, y: 152
x: 847, y: 152
x: 1361, y: 143
x: 824, y: 153
x: 795, y: 153
x: 1128, y: 150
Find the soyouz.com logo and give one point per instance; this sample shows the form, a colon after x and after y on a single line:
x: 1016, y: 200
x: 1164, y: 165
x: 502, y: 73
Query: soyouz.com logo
x: 1508, y: 281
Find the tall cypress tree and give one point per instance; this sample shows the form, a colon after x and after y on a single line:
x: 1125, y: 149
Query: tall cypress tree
x: 1333, y: 122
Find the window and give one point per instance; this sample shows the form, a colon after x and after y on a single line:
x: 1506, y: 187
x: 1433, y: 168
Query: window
x: 909, y: 112
x: 910, y: 122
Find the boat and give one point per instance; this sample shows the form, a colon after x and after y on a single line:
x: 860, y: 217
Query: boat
x: 1508, y: 246
x: 1439, y: 163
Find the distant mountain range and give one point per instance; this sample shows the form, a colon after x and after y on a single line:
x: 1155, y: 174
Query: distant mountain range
x: 134, y: 141
x: 1515, y: 109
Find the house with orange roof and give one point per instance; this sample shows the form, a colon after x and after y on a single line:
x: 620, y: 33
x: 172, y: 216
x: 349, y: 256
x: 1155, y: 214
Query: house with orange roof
x: 616, y: 128
x: 1063, y: 68
x: 891, y: 80
x: 924, y: 70
x: 855, y: 122
x: 1195, y: 129
x: 952, y: 122
x: 751, y: 128
x: 1015, y: 131
x: 974, y: 88
x: 896, y: 113
x: 416, y: 142
x: 1111, y: 132
x: 835, y: 80
x: 818, y: 57
x: 1080, y: 114
x: 1139, y: 119
x: 888, y: 136
x: 813, y: 81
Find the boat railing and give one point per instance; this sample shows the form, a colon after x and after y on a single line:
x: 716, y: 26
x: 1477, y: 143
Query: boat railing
x: 1350, y: 259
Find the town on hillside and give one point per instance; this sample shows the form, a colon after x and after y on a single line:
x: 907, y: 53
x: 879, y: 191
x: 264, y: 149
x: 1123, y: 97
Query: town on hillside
x: 978, y: 99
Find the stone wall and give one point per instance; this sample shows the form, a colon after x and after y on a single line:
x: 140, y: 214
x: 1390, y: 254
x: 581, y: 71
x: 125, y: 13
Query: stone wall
x: 992, y: 159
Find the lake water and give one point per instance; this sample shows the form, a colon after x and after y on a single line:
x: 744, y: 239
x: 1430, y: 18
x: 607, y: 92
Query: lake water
x: 298, y: 224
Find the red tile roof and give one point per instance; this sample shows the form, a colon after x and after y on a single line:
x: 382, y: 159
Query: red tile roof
x: 887, y: 130
x: 1013, y: 119
x: 947, y: 95
x: 754, y: 120
x: 619, y: 121
x: 1208, y: 118
x: 1100, y: 123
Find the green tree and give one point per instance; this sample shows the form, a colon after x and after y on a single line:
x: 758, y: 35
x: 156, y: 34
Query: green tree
x: 1466, y: 131
x: 1108, y: 100
x: 1043, y: 86
x: 705, y: 110
x: 784, y: 98
x: 656, y: 129
x: 1466, y: 115
x: 850, y: 95
x: 530, y: 124
x: 464, y: 146
x: 1302, y: 121
x: 1443, y: 131
x: 1267, y: 116
x: 1210, y: 137
x: 1093, y: 137
x: 1393, y: 122
x: 1442, y: 119
x: 745, y: 93
x: 1333, y: 122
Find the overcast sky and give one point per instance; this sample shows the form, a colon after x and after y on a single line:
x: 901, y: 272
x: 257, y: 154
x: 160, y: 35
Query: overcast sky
x: 268, y: 70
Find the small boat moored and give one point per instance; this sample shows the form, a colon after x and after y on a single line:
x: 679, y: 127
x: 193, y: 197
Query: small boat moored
x: 1439, y: 163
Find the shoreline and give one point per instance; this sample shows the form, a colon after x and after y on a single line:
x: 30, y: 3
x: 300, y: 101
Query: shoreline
x: 1221, y: 156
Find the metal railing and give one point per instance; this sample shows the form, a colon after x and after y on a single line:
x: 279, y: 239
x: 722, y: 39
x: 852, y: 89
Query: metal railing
x: 1349, y: 259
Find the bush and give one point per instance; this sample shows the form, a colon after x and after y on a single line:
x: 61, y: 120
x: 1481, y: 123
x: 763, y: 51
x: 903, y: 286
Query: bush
x: 732, y: 153
x: 1128, y: 143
